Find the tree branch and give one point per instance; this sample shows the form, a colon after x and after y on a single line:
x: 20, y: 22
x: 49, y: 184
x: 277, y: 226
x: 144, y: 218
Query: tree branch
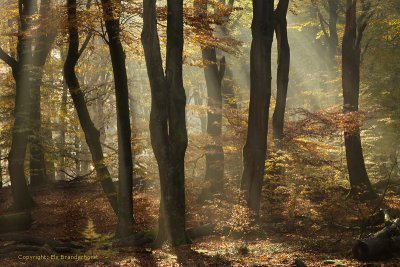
x: 10, y: 61
x: 85, y: 43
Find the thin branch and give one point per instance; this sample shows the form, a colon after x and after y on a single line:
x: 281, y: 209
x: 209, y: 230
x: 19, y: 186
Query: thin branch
x: 85, y: 43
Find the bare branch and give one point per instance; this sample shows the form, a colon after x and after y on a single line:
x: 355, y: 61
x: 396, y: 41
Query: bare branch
x: 85, y: 43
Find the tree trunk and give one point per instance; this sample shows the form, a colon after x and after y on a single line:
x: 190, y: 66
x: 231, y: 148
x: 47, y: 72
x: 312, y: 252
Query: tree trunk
x: 125, y: 162
x: 92, y: 135
x: 1, y: 168
x: 228, y: 90
x: 255, y: 148
x: 214, y: 151
x: 282, y: 80
x: 20, y: 132
x: 351, y: 51
x: 333, y: 6
x: 42, y: 49
x: 167, y: 118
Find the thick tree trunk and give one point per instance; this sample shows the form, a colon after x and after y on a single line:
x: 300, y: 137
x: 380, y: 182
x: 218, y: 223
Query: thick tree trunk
x: 21, y: 129
x: 92, y: 135
x: 37, y: 164
x: 167, y: 118
x: 125, y: 162
x: 282, y: 80
x: 254, y: 150
x: 359, y: 181
x: 42, y: 49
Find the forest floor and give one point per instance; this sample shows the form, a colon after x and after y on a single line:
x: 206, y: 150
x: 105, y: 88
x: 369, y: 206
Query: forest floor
x: 303, y: 226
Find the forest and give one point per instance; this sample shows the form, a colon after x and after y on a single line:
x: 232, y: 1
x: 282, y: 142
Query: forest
x: 199, y: 133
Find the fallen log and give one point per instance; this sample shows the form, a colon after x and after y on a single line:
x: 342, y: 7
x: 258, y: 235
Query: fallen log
x: 379, y: 245
x: 15, y: 221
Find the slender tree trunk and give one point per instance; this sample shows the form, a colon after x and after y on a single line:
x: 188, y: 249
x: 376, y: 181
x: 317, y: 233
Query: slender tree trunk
x: 282, y: 80
x: 228, y: 90
x: 167, y: 118
x: 203, y: 120
x: 255, y: 148
x: 63, y: 125
x: 214, y: 71
x: 333, y: 6
x: 351, y: 52
x: 92, y: 135
x: 125, y: 162
x: 21, y: 129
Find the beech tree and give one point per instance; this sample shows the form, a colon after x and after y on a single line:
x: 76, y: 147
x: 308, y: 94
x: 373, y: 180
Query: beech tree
x: 111, y: 14
x: 282, y: 79
x: 351, y: 59
x: 167, y: 118
x: 329, y: 27
x: 92, y: 135
x: 214, y: 71
x: 255, y: 148
x: 21, y: 72
x: 46, y: 34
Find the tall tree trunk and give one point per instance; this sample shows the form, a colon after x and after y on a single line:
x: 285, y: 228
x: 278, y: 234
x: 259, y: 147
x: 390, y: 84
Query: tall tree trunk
x: 227, y: 87
x: 125, y: 162
x: 255, y: 148
x: 214, y: 151
x: 92, y: 135
x: 228, y: 90
x: 43, y: 46
x: 351, y: 52
x: 333, y: 6
x: 167, y: 118
x: 199, y: 102
x: 20, y: 132
x: 63, y: 125
x: 214, y: 71
x: 282, y: 80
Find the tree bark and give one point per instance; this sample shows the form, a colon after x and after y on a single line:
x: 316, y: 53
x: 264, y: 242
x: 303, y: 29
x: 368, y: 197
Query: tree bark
x: 125, y: 162
x: 21, y: 129
x: 92, y: 135
x: 255, y: 148
x: 282, y: 80
x: 167, y: 118
x: 43, y: 44
x: 351, y: 52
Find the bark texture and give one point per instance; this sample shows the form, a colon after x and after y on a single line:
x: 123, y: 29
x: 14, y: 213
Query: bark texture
x: 21, y: 129
x: 111, y: 11
x: 43, y: 44
x: 167, y: 118
x: 351, y: 54
x: 255, y: 148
